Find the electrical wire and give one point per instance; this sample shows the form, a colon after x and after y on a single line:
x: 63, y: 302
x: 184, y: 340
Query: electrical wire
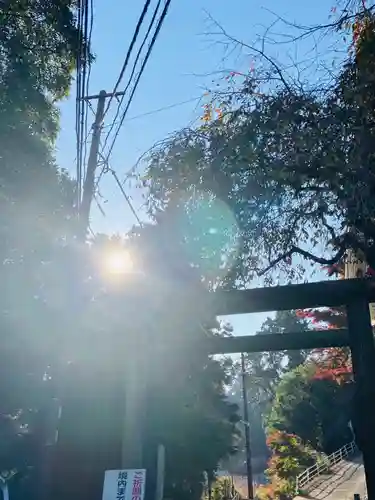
x: 87, y: 87
x: 150, y: 26
x: 114, y: 123
x: 159, y: 110
x: 85, y: 22
x: 149, y: 51
x: 84, y: 73
x: 128, y: 54
x: 78, y: 102
x: 148, y: 113
x: 159, y: 25
x: 108, y: 168
x: 82, y: 63
x: 126, y: 197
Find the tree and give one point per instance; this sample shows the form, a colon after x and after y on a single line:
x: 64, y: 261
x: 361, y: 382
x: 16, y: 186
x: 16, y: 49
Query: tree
x: 315, y: 410
x: 293, y: 167
x: 197, y: 424
x: 334, y: 362
x: 38, y: 46
x: 309, y: 415
x: 236, y: 464
x: 266, y: 368
x: 186, y: 402
x: 264, y: 372
x: 290, y: 457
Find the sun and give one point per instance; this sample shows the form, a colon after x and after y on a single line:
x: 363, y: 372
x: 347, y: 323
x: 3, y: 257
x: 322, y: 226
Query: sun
x: 118, y: 262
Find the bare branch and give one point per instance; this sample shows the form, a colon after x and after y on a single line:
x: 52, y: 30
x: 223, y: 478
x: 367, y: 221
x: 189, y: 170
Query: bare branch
x: 306, y: 255
x: 260, y: 52
x: 310, y: 30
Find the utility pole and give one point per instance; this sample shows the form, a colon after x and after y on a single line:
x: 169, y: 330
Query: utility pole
x: 131, y: 449
x: 250, y: 492
x: 92, y: 164
x: 160, y: 472
x: 132, y: 428
x: 131, y: 445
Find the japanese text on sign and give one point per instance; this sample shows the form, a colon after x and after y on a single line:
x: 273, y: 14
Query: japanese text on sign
x: 137, y: 489
x: 126, y: 484
x: 121, y: 485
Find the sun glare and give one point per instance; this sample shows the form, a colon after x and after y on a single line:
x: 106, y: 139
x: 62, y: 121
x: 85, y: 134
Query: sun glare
x: 118, y: 262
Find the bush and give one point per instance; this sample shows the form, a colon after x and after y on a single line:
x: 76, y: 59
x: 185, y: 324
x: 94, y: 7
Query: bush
x: 290, y: 456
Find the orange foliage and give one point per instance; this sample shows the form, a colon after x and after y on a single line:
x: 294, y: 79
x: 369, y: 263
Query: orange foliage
x: 332, y: 363
x: 289, y: 457
x: 207, y: 113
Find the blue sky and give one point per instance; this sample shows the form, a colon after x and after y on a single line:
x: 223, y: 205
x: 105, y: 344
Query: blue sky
x: 184, y: 52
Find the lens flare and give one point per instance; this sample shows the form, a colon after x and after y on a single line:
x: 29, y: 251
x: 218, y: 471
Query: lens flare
x: 211, y: 233
x: 118, y: 262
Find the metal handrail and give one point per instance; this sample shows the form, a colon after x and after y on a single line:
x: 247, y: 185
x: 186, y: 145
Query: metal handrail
x: 315, y: 470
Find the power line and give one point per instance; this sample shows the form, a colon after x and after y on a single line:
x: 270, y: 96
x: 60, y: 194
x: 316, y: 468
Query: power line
x: 94, y: 150
x: 160, y: 142
x: 150, y: 26
x: 148, y: 113
x: 82, y: 81
x: 159, y: 110
x: 149, y: 51
x: 108, y: 168
x: 128, y: 54
x: 126, y: 197
x: 87, y: 103
x: 79, y: 102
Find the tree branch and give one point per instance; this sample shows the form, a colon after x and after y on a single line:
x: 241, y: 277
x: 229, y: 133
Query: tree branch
x: 305, y: 254
x: 253, y: 49
x: 330, y: 229
x: 310, y: 30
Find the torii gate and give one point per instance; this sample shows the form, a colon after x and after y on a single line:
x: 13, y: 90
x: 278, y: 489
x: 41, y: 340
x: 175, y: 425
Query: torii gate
x: 355, y: 295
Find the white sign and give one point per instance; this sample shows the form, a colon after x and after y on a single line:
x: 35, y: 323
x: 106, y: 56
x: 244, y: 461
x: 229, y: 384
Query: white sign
x: 127, y: 484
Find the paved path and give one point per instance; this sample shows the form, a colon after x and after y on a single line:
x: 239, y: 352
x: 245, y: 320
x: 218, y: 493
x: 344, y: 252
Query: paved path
x: 348, y: 478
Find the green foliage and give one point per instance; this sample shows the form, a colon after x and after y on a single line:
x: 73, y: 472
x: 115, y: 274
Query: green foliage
x: 315, y: 410
x: 266, y: 368
x: 38, y: 47
x: 220, y: 489
x: 290, y: 457
x: 198, y: 426
x: 186, y: 400
x: 192, y: 414
x: 264, y: 372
